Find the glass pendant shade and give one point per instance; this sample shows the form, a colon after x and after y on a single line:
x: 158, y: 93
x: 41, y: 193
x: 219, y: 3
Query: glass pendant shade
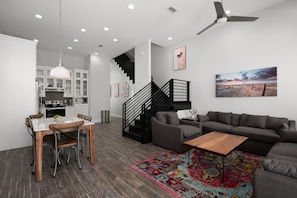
x: 60, y: 71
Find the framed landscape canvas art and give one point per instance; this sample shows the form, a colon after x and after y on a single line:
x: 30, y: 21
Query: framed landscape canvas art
x: 179, y: 58
x: 250, y: 83
x: 116, y: 90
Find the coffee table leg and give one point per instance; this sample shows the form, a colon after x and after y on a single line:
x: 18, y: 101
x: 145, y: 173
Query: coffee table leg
x: 223, y: 174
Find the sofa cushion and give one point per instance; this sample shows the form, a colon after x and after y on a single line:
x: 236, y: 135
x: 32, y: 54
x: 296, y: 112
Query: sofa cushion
x: 162, y: 116
x: 273, y: 122
x: 284, y: 149
x: 243, y: 119
x: 288, y: 136
x: 172, y: 118
x: 189, y: 131
x: 281, y: 127
x: 280, y: 167
x: 224, y: 117
x: 215, y: 126
x: 203, y: 118
x: 235, y: 119
x: 212, y: 115
x: 257, y: 121
x: 256, y: 134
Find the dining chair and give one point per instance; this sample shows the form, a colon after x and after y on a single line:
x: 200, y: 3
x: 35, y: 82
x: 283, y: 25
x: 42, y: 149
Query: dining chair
x: 28, y: 124
x: 39, y: 115
x: 64, y: 139
x: 84, y: 135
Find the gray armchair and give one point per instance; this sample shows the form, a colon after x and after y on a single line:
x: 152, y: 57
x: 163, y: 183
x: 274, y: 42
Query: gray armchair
x: 170, y: 132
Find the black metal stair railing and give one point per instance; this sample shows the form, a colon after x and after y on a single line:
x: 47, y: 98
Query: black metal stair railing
x: 131, y: 109
x: 138, y: 110
x: 162, y: 100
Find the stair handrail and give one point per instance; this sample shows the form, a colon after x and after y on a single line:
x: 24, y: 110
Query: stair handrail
x: 131, y: 109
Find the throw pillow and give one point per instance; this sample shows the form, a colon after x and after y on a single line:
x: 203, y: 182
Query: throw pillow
x: 281, y: 127
x: 224, y: 117
x: 243, y: 119
x: 280, y: 167
x: 212, y: 115
x: 288, y: 136
x: 162, y: 117
x: 172, y: 118
x: 235, y: 119
x: 257, y: 121
x: 203, y: 118
x: 272, y: 122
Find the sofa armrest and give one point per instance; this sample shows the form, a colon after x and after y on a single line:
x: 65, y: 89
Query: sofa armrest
x: 192, y: 123
x: 164, y: 132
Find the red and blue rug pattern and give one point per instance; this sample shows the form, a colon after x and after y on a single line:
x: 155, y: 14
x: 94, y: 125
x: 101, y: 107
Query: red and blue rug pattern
x: 198, y: 173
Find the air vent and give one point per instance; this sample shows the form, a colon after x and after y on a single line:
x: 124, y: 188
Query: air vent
x: 172, y: 9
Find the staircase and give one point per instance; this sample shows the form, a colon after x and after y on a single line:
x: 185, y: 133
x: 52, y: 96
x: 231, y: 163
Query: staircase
x: 138, y: 110
x: 126, y: 63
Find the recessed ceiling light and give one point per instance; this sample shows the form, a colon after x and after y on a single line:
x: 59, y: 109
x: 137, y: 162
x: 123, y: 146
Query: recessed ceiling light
x: 36, y: 40
x: 38, y: 16
x: 75, y: 40
x: 170, y: 38
x: 83, y: 30
x: 131, y: 6
x: 70, y: 48
x: 106, y: 28
x: 96, y: 53
x: 115, y: 40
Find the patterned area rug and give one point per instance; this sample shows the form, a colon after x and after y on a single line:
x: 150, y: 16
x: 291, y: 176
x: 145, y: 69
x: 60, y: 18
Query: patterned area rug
x: 198, y: 173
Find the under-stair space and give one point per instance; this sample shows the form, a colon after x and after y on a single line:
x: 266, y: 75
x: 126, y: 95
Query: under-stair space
x: 138, y: 110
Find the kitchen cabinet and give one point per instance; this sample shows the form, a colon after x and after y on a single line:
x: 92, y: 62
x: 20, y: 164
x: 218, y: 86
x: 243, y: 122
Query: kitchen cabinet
x: 70, y: 111
x: 40, y: 78
x: 81, y: 83
x: 46, y: 82
x: 81, y: 108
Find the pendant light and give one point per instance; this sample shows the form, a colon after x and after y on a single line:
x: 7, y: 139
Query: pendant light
x: 60, y: 71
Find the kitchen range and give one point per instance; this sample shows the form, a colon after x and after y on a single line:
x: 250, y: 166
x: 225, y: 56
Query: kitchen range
x: 54, y: 107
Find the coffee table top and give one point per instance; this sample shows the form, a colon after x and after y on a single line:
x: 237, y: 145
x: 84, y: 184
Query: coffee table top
x: 217, y: 142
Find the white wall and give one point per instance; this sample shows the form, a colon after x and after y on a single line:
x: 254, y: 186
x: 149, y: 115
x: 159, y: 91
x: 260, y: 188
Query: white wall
x: 47, y: 58
x: 270, y: 41
x: 142, y: 64
x: 17, y: 86
x: 118, y: 76
x: 99, y: 85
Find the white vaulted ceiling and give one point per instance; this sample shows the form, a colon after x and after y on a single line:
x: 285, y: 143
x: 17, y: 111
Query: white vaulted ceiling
x: 150, y: 19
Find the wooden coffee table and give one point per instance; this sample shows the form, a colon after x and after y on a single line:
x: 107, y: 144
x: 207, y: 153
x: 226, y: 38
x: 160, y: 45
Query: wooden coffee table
x: 218, y: 143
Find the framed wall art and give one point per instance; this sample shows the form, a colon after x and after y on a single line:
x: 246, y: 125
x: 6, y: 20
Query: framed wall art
x: 179, y: 58
x: 126, y: 89
x: 250, y: 83
x: 116, y: 90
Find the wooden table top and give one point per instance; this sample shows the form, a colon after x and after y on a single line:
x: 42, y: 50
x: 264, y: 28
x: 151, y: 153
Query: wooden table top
x: 217, y: 142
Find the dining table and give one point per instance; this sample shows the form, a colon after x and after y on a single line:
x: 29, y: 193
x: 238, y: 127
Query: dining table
x: 41, y: 129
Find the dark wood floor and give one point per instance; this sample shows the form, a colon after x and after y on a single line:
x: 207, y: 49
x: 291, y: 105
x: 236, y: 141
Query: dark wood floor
x: 110, y: 176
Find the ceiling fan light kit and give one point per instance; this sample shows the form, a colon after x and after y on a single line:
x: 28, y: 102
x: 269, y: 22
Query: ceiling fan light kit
x: 222, y: 17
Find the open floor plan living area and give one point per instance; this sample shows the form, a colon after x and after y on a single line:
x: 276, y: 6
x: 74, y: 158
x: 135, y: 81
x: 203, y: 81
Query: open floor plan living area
x: 148, y: 98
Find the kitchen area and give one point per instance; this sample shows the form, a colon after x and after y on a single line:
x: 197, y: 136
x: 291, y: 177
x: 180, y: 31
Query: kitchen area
x: 64, y: 97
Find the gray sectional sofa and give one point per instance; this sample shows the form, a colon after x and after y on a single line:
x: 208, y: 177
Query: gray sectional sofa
x: 278, y: 175
x: 263, y: 131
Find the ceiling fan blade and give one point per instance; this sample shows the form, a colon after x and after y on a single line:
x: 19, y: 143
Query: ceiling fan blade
x: 212, y: 24
x: 241, y: 18
x: 220, y: 10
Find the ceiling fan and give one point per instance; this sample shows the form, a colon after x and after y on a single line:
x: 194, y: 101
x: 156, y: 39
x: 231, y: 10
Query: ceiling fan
x: 223, y: 17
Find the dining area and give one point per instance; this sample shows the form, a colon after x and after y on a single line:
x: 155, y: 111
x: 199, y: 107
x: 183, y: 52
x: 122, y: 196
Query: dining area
x: 62, y: 135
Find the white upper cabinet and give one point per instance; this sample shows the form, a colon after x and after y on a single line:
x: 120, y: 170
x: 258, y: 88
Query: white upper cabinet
x: 45, y: 81
x: 81, y: 83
